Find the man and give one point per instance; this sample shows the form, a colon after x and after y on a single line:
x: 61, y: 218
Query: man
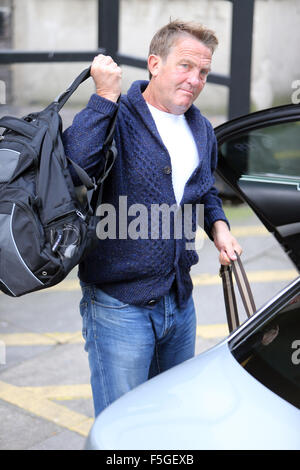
x: 137, y: 308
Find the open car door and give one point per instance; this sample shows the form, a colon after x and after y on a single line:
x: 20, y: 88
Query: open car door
x: 259, y: 157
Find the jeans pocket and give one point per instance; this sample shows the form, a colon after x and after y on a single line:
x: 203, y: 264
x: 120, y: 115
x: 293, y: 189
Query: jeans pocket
x: 107, y: 301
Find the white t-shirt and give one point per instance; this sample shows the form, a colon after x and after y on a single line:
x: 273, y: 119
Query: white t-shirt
x: 179, y: 141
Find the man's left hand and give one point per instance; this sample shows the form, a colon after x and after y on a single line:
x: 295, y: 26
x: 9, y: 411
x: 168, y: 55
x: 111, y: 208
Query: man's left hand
x: 225, y: 242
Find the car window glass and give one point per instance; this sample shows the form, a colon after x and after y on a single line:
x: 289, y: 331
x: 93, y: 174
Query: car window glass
x: 268, y: 151
x: 272, y: 353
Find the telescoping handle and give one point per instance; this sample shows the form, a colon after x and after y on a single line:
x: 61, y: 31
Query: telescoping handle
x: 229, y: 294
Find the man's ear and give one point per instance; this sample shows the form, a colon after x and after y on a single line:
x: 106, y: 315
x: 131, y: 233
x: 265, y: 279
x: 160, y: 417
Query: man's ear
x: 154, y: 63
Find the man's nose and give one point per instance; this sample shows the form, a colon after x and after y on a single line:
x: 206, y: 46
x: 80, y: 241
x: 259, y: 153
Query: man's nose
x: 194, y: 79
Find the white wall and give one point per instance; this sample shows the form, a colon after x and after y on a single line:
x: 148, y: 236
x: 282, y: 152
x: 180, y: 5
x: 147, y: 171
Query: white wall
x: 71, y: 24
x: 52, y: 25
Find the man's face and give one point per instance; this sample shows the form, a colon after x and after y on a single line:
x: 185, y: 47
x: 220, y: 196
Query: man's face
x: 180, y: 77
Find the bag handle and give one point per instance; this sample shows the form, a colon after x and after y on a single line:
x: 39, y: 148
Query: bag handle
x: 63, y: 97
x: 229, y: 295
x: 25, y: 128
x: 93, y: 186
x: 96, y: 185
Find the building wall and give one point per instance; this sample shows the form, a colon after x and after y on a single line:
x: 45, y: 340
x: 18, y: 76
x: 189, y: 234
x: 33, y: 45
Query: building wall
x: 72, y: 25
x: 5, y: 43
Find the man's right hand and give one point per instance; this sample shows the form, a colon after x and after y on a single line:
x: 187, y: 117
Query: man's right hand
x: 107, y: 76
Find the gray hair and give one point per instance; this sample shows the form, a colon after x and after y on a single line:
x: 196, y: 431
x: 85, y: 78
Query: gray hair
x: 166, y: 36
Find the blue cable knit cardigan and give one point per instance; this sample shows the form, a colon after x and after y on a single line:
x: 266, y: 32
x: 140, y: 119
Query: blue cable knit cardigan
x: 139, y: 270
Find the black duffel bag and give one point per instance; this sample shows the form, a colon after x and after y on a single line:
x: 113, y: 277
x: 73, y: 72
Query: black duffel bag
x: 45, y: 228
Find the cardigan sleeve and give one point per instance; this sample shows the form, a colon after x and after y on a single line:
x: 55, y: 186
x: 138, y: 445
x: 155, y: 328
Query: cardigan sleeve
x: 83, y: 140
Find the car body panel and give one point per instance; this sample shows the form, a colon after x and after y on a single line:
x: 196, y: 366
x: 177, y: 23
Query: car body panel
x: 199, y: 404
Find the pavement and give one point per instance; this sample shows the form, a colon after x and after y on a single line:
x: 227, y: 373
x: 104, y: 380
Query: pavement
x: 45, y: 396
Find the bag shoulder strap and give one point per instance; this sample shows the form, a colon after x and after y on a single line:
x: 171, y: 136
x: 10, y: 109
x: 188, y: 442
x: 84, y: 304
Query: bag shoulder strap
x: 94, y: 186
x: 229, y: 294
x: 63, y: 97
x: 110, y: 156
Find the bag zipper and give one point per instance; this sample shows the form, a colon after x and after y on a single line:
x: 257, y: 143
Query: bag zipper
x: 65, y: 214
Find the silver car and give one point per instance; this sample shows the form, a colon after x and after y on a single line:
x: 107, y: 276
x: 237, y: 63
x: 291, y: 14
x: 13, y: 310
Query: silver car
x: 243, y: 393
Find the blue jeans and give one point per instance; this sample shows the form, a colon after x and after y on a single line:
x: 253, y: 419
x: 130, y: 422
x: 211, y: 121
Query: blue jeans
x: 129, y: 344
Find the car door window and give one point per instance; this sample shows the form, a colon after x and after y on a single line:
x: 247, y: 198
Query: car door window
x: 261, y: 160
x: 270, y: 152
x: 272, y: 353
